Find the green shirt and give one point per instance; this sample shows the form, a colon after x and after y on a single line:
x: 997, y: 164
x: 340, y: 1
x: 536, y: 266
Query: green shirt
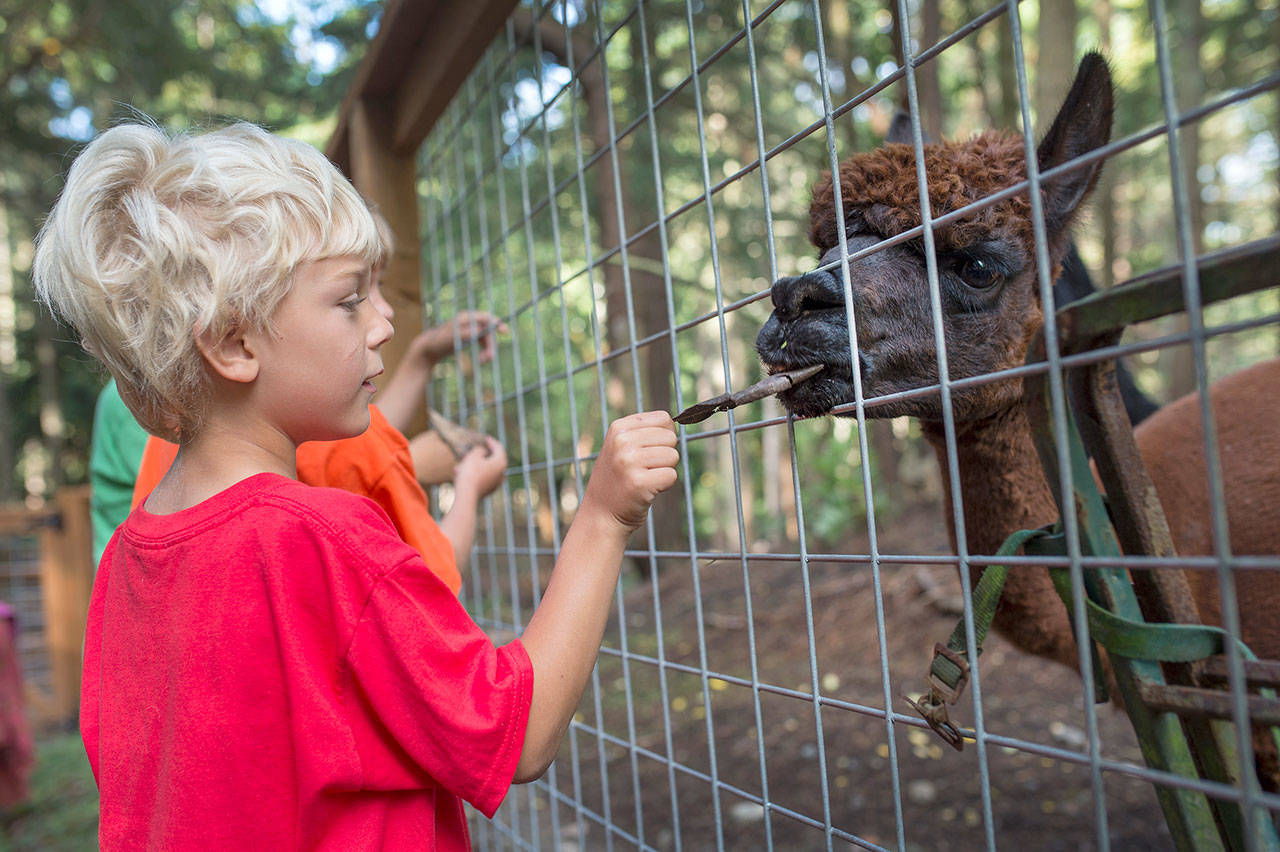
x: 114, y: 457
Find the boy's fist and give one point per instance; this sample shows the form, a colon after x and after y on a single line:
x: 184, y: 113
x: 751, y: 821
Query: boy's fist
x: 636, y: 464
x: 482, y: 468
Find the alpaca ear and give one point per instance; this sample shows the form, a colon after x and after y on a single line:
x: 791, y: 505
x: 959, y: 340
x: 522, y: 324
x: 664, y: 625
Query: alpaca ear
x: 1083, y: 124
x: 900, y: 129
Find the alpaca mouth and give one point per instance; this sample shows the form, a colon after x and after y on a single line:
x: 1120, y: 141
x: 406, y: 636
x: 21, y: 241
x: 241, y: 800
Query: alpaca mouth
x: 818, y: 395
x: 773, y: 384
x: 793, y: 344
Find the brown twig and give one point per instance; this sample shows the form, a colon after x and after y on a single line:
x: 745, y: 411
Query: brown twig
x: 458, y: 439
x: 768, y: 386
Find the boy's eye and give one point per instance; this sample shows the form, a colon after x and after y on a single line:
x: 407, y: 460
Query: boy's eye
x: 351, y: 304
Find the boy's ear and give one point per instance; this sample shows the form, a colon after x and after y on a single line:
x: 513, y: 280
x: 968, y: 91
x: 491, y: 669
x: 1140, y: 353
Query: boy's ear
x: 231, y: 356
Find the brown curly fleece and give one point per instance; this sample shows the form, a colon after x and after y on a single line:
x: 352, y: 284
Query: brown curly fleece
x: 882, y: 184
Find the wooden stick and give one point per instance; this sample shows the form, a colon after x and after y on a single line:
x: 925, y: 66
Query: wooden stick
x: 458, y: 439
x: 770, y: 385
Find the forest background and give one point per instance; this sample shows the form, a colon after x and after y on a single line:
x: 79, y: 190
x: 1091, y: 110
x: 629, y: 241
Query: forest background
x: 70, y: 68
x: 522, y: 214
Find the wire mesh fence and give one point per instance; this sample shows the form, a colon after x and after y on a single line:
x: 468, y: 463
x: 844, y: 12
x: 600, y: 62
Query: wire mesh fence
x: 622, y: 183
x: 20, y: 588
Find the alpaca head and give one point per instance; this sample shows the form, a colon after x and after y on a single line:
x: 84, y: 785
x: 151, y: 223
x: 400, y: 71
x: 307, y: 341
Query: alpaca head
x: 986, y: 264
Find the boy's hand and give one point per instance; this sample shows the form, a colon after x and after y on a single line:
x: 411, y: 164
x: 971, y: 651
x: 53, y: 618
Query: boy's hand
x: 636, y: 464
x: 436, y: 343
x: 482, y: 468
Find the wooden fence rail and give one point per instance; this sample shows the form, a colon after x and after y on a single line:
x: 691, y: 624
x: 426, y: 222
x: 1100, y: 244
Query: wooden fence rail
x: 46, y: 574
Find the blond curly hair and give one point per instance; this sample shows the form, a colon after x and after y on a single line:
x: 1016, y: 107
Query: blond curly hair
x: 157, y: 239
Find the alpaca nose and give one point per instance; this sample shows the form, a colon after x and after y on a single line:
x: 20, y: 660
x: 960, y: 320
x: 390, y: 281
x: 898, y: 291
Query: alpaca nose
x: 814, y: 291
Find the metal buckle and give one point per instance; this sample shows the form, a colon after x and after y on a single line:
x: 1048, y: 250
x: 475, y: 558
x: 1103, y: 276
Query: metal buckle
x: 947, y: 693
x: 934, y: 711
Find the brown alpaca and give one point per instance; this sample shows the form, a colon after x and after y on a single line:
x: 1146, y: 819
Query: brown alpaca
x: 991, y: 310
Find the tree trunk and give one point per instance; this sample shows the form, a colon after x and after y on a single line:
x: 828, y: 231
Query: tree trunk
x: 648, y: 293
x: 1105, y: 200
x: 647, y: 300
x: 1056, y: 66
x: 895, y: 34
x: 6, y: 442
x: 52, y: 428
x: 927, y: 76
x: 928, y: 87
x: 1009, y: 109
x: 1179, y: 361
x: 885, y: 453
x: 837, y: 29
x: 8, y: 356
x: 771, y: 460
x: 978, y: 63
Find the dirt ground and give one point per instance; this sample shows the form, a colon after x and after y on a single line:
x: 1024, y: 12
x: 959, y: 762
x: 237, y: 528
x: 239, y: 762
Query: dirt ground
x: 1038, y: 802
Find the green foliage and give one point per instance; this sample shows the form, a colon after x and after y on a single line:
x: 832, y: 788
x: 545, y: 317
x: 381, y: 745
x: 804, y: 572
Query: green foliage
x: 61, y: 813
x: 511, y: 227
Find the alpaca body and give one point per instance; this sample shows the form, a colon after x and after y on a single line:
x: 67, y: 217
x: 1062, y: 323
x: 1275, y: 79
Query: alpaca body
x: 1003, y: 489
x: 1246, y: 408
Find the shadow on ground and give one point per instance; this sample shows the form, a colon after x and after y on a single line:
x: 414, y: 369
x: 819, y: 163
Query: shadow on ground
x: 1036, y: 801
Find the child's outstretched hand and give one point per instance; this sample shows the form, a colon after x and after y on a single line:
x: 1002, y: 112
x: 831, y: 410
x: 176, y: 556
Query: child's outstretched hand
x: 400, y: 398
x: 482, y: 468
x: 636, y: 464
x: 437, y: 342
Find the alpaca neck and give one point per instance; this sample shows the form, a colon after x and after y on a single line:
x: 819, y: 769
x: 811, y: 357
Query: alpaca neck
x: 1004, y: 490
x: 1001, y: 482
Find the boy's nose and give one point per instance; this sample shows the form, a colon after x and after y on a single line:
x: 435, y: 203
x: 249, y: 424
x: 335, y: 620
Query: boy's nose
x: 380, y: 304
x: 381, y: 330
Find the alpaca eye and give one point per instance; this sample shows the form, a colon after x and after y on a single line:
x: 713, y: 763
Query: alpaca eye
x: 978, y: 273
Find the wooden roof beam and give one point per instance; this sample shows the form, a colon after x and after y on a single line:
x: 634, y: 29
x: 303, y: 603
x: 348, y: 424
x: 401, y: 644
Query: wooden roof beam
x: 419, y: 59
x: 447, y: 53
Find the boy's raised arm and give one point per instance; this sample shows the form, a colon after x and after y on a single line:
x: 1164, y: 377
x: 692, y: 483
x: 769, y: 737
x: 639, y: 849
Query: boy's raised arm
x: 636, y: 464
x: 476, y: 476
x: 400, y: 398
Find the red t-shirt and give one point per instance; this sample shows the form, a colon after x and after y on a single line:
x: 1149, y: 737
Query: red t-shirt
x: 274, y: 668
x: 375, y: 464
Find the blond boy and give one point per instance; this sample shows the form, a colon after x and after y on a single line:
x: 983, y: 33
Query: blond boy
x: 267, y: 665
x: 381, y: 463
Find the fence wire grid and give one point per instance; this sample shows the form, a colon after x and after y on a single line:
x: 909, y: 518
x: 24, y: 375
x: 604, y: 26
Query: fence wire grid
x: 622, y: 183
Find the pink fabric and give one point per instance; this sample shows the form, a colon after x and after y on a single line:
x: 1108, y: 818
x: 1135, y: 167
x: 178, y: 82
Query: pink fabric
x: 17, y: 750
x: 275, y: 669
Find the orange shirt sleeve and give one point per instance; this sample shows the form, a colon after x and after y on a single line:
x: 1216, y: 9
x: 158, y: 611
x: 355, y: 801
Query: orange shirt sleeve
x: 375, y: 464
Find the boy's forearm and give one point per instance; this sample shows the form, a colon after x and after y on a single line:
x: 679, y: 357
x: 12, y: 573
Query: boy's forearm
x: 459, y: 524
x: 402, y: 395
x: 564, y: 634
